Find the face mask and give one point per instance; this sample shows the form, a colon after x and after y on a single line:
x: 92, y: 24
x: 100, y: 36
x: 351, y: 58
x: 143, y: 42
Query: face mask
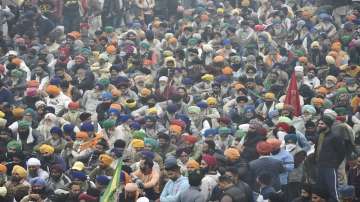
x: 290, y: 147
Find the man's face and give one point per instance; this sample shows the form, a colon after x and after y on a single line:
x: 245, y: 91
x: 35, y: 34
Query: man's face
x: 173, y: 175
x: 55, y: 174
x: 162, y: 142
x: 33, y: 169
x: 222, y: 185
x: 316, y: 198
x: 321, y: 126
x: 304, y: 194
x: 75, y: 189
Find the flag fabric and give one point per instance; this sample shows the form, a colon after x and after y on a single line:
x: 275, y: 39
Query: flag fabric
x: 109, y: 194
x: 292, y: 96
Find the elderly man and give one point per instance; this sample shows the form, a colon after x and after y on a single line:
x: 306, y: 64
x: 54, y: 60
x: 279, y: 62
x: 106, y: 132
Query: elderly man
x: 34, y: 170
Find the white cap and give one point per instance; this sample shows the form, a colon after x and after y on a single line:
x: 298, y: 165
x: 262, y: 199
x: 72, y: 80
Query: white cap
x: 142, y: 199
x: 12, y: 53
x: 163, y: 78
x: 299, y: 69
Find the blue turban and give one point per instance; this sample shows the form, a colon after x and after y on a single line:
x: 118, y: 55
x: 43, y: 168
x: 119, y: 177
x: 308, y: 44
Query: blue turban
x: 290, y: 137
x: 105, y: 96
x: 68, y: 128
x: 55, y: 81
x: 187, y: 81
x: 148, y: 154
x: 87, y: 127
x: 102, y: 180
x: 78, y: 175
x: 56, y: 130
x: 221, y: 78
x: 135, y: 125
x: 37, y: 181
x: 210, y: 132
x: 202, y: 104
x: 124, y: 117
x: 171, y: 108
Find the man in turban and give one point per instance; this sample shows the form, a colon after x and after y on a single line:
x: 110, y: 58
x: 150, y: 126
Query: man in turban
x: 266, y: 164
x: 103, y: 168
x: 49, y: 158
x: 18, y: 187
x: 34, y: 170
x: 57, y: 179
x: 27, y: 136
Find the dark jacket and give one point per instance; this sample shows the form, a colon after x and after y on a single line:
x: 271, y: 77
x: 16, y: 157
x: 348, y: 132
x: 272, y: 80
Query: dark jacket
x: 332, y: 151
x: 266, y: 164
x: 250, y: 143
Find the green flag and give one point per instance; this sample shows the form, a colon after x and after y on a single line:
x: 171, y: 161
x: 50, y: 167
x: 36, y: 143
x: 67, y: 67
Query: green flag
x: 109, y: 194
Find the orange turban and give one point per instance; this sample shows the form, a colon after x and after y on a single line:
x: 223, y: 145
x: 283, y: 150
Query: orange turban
x: 111, y: 49
x: 115, y: 106
x: 218, y: 59
x: 3, y: 169
x: 16, y: 61
x: 227, y: 70
x: 318, y: 102
x: 275, y: 143
x: 192, y: 164
x: 232, y: 154
x: 336, y: 46
x: 53, y: 90
x: 175, y: 128
x: 18, y: 112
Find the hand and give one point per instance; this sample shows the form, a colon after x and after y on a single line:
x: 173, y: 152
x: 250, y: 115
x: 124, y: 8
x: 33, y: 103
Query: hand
x: 35, y: 197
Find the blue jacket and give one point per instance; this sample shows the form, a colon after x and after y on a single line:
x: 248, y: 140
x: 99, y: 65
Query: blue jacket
x: 288, y: 163
x: 172, y: 190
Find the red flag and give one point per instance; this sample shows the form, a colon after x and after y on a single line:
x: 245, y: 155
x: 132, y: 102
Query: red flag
x: 292, y: 96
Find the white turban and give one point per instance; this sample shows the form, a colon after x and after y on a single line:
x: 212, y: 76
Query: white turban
x: 33, y: 162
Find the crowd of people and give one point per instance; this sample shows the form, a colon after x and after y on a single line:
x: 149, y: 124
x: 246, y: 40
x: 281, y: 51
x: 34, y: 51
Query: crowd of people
x: 179, y: 100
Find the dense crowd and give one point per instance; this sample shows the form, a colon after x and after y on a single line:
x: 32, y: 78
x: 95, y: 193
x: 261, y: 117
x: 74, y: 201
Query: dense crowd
x: 179, y: 100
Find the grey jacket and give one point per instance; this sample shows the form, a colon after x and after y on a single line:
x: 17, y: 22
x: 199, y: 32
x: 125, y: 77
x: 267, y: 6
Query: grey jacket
x: 193, y: 194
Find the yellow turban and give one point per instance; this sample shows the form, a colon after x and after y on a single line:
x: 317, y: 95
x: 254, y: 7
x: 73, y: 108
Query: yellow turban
x: 106, y: 159
x: 151, y: 110
x: 208, y: 77
x: 269, y: 96
x: 19, y: 170
x: 211, y: 101
x: 45, y: 148
x: 136, y: 143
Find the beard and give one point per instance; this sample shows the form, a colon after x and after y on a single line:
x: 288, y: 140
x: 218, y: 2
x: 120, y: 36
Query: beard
x: 24, y: 134
x: 162, y: 88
